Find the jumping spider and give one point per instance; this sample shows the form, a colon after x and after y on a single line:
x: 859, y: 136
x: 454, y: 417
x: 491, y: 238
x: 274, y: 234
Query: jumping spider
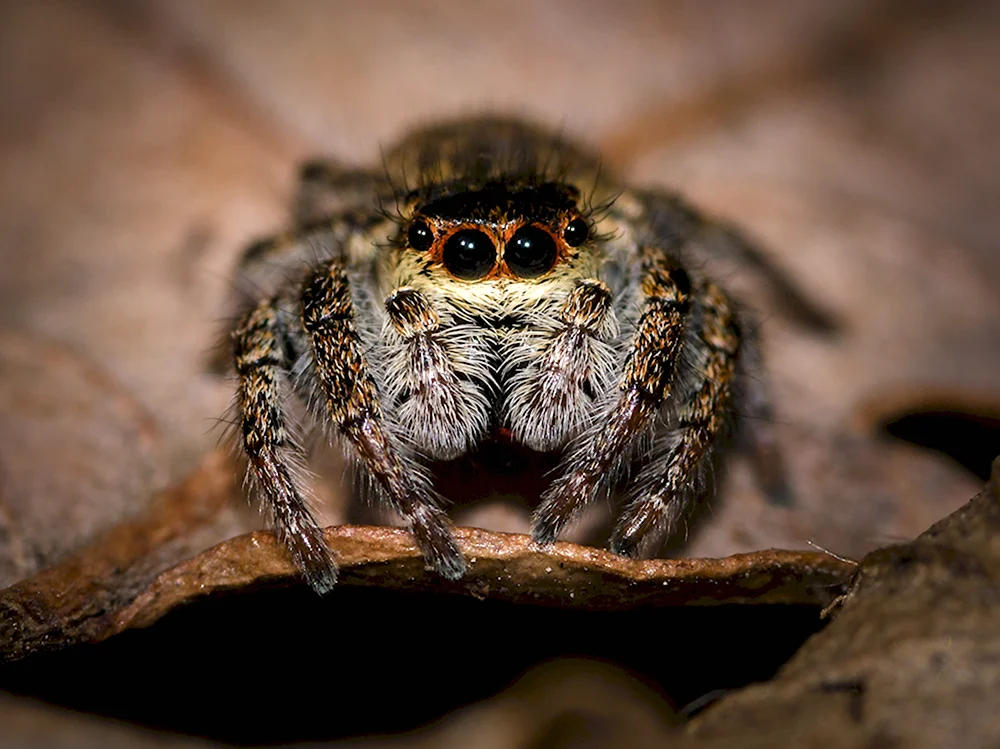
x: 492, y: 283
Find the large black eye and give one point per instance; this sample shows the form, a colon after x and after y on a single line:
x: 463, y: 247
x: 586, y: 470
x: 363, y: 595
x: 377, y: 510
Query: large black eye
x: 576, y: 232
x: 469, y: 254
x: 420, y: 235
x: 531, y: 252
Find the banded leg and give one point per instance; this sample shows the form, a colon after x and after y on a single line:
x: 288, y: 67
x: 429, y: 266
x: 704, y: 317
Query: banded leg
x: 664, y: 490
x: 352, y: 406
x: 553, y: 395
x: 261, y: 346
x: 268, y: 264
x: 263, y: 269
x: 643, y: 389
x: 659, y: 214
x: 327, y: 188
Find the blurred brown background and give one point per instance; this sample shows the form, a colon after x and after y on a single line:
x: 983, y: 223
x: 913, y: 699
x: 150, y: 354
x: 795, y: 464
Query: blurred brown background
x: 143, y: 144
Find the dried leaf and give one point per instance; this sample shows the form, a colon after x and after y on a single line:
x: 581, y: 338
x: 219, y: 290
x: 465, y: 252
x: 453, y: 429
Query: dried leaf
x: 77, y: 454
x: 911, y: 658
x: 138, y: 571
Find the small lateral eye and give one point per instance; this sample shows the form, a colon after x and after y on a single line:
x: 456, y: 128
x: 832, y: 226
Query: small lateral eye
x: 576, y: 232
x: 420, y: 236
x: 469, y: 254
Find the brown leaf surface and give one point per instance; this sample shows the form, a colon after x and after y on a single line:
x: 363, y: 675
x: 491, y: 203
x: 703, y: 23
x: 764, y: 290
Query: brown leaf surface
x: 911, y: 659
x: 77, y: 454
x: 143, y: 569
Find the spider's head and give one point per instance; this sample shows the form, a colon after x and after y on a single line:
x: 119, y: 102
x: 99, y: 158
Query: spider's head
x: 504, y: 230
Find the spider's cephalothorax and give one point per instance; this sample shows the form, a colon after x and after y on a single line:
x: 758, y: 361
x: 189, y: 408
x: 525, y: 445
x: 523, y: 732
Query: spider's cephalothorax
x: 490, y: 281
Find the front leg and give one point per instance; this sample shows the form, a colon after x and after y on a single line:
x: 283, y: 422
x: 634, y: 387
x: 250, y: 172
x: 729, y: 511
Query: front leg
x: 352, y: 406
x: 262, y: 345
x: 645, y: 385
x: 673, y: 476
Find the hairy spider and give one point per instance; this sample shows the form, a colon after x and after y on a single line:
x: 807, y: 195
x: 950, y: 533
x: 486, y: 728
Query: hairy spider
x: 491, y: 282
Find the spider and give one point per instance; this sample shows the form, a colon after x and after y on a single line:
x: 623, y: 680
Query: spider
x: 492, y: 283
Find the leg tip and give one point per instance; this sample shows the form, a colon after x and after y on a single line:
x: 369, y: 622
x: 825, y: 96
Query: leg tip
x: 437, y: 544
x: 560, y: 505
x: 545, y: 527
x: 625, y: 547
x: 315, y: 560
x: 322, y: 581
x: 780, y: 495
x: 452, y: 568
x: 544, y: 537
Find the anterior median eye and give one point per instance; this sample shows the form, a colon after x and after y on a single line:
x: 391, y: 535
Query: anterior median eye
x: 531, y: 252
x: 469, y: 254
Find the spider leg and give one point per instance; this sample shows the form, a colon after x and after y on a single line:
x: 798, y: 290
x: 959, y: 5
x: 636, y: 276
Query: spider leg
x: 261, y: 346
x: 269, y: 264
x: 353, y: 407
x: 643, y: 389
x: 757, y: 433
x: 664, y: 490
x: 327, y: 187
x: 726, y: 240
x: 664, y: 214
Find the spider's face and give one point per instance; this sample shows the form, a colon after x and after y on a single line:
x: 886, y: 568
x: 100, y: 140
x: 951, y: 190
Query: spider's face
x: 502, y: 232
